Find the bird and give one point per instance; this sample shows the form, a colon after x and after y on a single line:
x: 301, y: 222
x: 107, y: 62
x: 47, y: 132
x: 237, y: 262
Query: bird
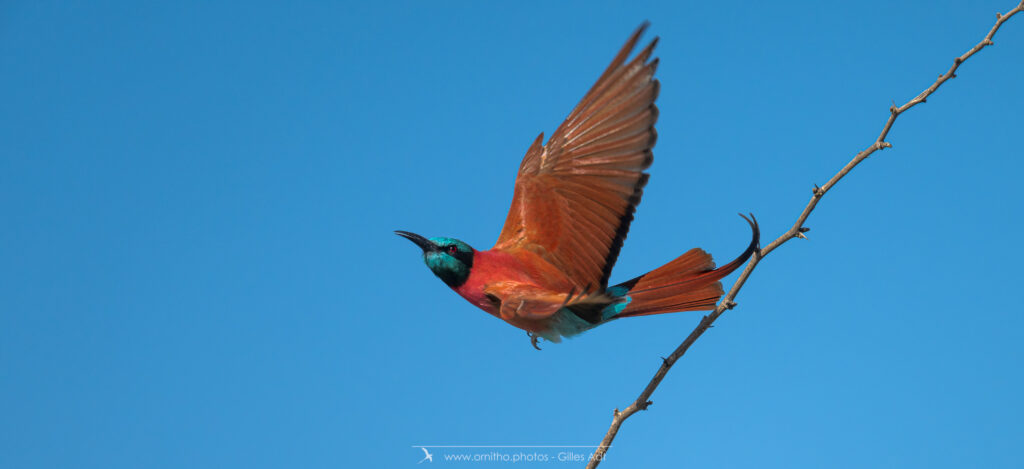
x: 427, y: 456
x: 573, y: 201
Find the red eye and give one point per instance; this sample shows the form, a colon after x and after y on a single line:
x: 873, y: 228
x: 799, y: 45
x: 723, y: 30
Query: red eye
x: 452, y: 249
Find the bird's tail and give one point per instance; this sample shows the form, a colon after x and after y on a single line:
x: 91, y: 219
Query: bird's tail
x: 688, y: 283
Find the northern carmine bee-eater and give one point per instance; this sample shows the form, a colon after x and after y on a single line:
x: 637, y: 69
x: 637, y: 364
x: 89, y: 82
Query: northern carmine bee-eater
x: 573, y: 202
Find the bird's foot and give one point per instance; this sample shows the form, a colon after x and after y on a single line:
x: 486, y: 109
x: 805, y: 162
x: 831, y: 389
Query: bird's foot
x: 533, y: 339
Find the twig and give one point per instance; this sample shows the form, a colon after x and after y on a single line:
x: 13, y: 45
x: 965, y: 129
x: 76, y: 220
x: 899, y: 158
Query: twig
x: 796, y: 231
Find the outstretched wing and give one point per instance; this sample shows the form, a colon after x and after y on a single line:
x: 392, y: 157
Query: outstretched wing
x: 575, y: 196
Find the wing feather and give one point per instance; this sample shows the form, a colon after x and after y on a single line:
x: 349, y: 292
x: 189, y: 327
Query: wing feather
x: 575, y: 195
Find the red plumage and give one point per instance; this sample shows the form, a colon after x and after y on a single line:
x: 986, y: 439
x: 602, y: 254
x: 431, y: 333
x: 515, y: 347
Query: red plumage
x: 573, y: 202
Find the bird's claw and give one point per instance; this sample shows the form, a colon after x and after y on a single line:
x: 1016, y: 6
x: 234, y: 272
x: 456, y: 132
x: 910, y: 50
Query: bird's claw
x: 533, y: 339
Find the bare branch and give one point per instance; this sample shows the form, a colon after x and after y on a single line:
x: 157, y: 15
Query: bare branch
x: 796, y: 231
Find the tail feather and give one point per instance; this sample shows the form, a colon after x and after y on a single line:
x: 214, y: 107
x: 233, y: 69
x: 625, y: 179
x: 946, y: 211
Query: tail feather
x: 689, y: 283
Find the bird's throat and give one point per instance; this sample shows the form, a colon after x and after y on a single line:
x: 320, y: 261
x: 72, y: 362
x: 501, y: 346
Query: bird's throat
x: 450, y: 270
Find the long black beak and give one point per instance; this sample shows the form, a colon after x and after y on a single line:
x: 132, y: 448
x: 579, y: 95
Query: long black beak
x: 420, y: 241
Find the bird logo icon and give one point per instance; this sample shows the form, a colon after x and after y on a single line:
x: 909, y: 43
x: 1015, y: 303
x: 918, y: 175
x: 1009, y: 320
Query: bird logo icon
x: 427, y: 457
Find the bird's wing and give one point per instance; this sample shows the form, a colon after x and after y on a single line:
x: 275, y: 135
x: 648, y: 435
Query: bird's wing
x: 575, y: 196
x: 525, y: 301
x: 531, y: 302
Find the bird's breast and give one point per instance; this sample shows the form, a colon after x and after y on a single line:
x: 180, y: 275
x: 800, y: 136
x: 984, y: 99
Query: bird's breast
x: 494, y: 266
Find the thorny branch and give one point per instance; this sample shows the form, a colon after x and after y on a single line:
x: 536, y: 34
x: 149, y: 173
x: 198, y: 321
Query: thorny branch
x: 796, y: 231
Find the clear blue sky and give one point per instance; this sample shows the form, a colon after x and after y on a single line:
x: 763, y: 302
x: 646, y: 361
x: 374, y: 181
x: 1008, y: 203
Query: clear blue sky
x: 197, y: 265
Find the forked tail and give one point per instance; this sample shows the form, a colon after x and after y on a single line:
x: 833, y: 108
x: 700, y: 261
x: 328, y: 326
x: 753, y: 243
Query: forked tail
x: 688, y: 283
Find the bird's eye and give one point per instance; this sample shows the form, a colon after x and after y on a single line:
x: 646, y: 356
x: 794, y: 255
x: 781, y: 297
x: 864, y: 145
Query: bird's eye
x: 452, y: 249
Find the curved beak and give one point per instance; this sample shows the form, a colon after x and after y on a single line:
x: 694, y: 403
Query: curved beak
x: 420, y: 241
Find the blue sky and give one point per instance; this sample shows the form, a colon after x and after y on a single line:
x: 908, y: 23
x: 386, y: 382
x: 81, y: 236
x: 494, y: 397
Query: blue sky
x: 197, y: 265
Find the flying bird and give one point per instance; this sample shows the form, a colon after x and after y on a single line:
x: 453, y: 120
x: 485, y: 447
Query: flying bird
x: 572, y: 205
x: 427, y: 457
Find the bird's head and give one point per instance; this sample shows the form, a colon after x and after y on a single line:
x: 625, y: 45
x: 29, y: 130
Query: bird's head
x: 448, y: 258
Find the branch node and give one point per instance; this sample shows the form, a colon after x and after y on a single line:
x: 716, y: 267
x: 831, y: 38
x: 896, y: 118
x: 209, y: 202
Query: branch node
x: 893, y: 109
x: 645, y: 405
x: 804, y: 229
x: 616, y: 413
x: 817, y: 191
x: 729, y: 305
x: 958, y: 60
x: 988, y: 42
x: 800, y: 235
x: 999, y: 15
x: 665, y: 362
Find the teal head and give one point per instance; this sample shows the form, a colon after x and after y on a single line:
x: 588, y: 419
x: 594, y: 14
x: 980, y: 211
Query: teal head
x: 448, y: 258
